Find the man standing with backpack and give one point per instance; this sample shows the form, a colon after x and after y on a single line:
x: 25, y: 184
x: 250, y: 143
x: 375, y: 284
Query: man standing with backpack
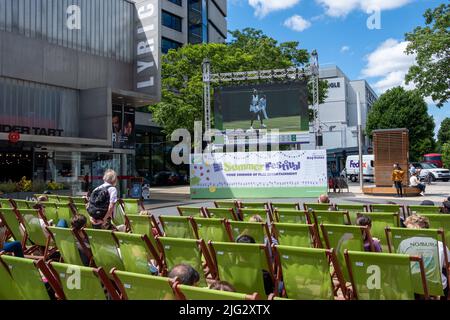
x: 103, y: 200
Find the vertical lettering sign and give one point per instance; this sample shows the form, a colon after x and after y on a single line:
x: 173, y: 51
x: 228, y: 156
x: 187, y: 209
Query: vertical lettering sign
x: 147, y: 42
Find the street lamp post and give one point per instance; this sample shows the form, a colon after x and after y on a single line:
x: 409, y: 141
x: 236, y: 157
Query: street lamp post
x: 361, y: 166
x: 315, y: 74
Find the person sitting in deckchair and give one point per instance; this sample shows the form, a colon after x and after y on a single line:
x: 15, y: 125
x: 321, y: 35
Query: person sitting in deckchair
x: 185, y: 274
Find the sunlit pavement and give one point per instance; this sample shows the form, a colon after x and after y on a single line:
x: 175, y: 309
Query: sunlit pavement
x: 163, y: 200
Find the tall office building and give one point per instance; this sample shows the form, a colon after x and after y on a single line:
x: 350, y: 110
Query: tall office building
x: 338, y: 115
x: 192, y: 21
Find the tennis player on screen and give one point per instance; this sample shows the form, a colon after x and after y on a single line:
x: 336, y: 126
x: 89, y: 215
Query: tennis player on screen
x: 256, y: 110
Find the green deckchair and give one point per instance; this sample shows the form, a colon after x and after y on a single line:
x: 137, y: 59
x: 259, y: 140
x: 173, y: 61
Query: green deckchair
x: 352, y: 209
x: 317, y: 206
x: 20, y: 204
x: 104, y: 249
x: 52, y: 197
x: 254, y: 205
x: 387, y: 208
x: 12, y: 223
x: 331, y: 217
x: 65, y: 212
x: 50, y: 211
x: 143, y: 225
x: 340, y: 238
x: 294, y: 235
x: 177, y: 227
x: 306, y: 273
x: 78, y: 200
x: 258, y: 231
x: 31, y: 220
x: 423, y: 210
x: 132, y: 206
x: 382, y: 276
x: 285, y: 206
x: 211, y: 229
x: 26, y: 275
x: 136, y: 252
x: 134, y: 286
x: 82, y: 283
x: 422, y: 243
x: 119, y: 214
x: 379, y: 222
x: 291, y: 216
x: 188, y: 251
x: 191, y: 211
x: 221, y: 213
x: 328, y: 217
x: 227, y: 204
x: 184, y: 292
x: 440, y: 221
x: 8, y: 288
x: 81, y: 210
x: 6, y: 203
x: 64, y: 199
x: 66, y: 242
x: 242, y: 265
x: 245, y: 214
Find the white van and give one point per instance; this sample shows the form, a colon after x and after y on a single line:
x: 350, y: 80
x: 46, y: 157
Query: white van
x: 352, y: 167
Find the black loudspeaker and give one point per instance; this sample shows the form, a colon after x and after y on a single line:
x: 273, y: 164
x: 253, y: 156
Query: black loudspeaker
x: 319, y: 140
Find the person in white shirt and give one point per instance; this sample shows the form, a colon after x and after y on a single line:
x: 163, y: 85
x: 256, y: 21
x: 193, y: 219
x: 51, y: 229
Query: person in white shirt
x: 415, y: 182
x: 110, y: 182
x: 425, y: 247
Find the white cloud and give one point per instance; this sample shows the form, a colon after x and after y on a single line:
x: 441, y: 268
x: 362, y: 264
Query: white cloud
x: 264, y: 7
x: 345, y: 49
x: 297, y: 23
x: 389, y: 63
x: 340, y: 8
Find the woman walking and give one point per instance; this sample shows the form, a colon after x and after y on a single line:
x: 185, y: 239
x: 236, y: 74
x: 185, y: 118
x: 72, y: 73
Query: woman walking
x: 397, y: 177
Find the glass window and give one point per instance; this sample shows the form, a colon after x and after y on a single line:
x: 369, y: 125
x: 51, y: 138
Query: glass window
x: 178, y: 2
x: 171, y: 21
x: 168, y: 44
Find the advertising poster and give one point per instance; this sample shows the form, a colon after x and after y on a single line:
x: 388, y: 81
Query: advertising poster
x: 277, y: 174
x: 282, y: 106
x: 123, y: 127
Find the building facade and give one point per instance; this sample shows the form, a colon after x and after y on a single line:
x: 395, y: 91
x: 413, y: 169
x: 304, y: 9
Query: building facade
x: 72, y: 74
x: 338, y: 116
x: 183, y: 22
x: 192, y: 21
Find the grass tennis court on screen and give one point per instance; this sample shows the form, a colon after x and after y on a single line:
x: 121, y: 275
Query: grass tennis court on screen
x: 291, y: 123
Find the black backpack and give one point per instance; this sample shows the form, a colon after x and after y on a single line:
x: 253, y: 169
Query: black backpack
x: 99, y: 203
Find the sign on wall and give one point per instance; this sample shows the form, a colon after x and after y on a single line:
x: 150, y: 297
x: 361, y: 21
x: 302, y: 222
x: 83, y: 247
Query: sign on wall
x: 147, y: 47
x: 277, y: 174
x: 123, y: 127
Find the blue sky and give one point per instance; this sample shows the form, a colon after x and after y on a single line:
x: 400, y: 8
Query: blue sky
x: 339, y: 30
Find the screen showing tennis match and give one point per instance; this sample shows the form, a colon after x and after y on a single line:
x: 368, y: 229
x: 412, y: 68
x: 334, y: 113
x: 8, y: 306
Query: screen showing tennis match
x: 282, y: 106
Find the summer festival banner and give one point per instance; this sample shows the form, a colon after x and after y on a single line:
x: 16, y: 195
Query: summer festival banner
x: 277, y: 174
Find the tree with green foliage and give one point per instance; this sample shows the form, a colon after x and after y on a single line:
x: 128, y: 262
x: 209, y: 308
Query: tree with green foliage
x: 444, y: 132
x: 431, y: 44
x: 398, y: 108
x: 446, y: 155
x: 182, y: 84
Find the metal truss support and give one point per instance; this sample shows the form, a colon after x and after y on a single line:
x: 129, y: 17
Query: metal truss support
x: 311, y: 73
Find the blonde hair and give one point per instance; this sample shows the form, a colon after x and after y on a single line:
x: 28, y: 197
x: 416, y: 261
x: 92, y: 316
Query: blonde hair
x: 417, y: 222
x: 110, y: 176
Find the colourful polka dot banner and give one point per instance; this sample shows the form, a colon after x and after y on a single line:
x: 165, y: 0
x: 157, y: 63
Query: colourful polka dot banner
x: 287, y: 174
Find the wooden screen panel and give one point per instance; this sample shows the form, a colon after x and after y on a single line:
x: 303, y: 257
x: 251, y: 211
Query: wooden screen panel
x: 390, y: 146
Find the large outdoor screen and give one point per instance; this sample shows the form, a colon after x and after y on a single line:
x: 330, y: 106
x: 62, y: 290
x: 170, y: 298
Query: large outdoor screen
x: 282, y: 106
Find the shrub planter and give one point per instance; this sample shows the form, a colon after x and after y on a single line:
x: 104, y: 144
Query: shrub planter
x: 29, y: 195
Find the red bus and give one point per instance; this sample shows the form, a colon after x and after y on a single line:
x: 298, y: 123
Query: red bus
x: 434, y: 158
